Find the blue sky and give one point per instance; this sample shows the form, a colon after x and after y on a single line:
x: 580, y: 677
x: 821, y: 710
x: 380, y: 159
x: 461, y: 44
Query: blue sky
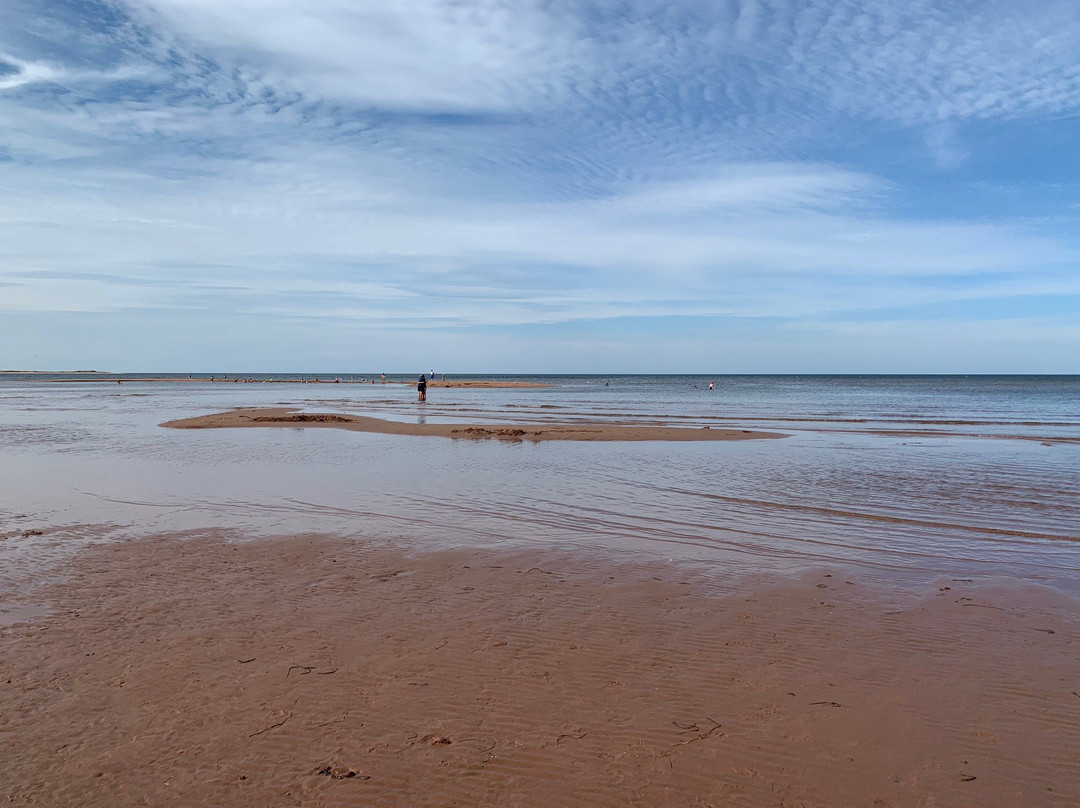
x: 490, y: 186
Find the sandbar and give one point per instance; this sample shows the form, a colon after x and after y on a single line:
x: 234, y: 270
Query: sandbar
x: 337, y: 672
x: 283, y: 417
x: 480, y: 384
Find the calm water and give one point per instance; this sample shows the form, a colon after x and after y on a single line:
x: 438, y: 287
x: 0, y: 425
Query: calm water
x: 953, y: 475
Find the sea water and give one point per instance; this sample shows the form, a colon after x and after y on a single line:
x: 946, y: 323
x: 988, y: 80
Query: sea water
x: 894, y: 474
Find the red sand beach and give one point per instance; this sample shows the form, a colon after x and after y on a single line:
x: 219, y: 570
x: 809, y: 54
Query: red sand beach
x: 316, y: 671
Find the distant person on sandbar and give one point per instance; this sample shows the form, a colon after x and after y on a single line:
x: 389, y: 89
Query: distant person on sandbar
x: 383, y: 379
x: 421, y: 388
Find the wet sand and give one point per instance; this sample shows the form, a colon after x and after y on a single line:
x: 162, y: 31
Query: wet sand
x: 319, y: 671
x: 482, y: 384
x: 281, y: 417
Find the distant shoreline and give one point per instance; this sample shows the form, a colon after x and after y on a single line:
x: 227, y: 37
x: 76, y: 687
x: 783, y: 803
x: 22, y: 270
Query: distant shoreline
x: 313, y: 380
x: 205, y: 376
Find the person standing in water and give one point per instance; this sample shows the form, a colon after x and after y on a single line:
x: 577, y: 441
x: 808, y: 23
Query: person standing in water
x: 421, y: 388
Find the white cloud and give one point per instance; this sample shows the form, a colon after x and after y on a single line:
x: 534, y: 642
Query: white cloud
x: 421, y: 54
x: 771, y: 240
x: 691, y: 81
x: 24, y: 72
x: 921, y: 62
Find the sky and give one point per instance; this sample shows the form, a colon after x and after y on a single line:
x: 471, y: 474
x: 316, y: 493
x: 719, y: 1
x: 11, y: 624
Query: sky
x: 486, y: 186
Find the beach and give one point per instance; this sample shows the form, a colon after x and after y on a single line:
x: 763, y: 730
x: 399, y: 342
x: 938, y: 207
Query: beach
x: 350, y: 609
x: 317, y: 671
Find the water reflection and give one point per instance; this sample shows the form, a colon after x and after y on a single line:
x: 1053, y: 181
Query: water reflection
x: 77, y: 457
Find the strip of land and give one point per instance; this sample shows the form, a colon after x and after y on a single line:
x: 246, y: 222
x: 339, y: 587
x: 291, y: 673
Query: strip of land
x: 332, y: 672
x: 480, y: 384
x: 312, y: 380
x: 282, y: 417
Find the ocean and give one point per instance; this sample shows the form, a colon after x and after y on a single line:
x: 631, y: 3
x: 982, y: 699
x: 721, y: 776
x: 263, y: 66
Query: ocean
x: 905, y: 477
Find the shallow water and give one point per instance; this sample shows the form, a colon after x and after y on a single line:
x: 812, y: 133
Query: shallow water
x: 938, y: 475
